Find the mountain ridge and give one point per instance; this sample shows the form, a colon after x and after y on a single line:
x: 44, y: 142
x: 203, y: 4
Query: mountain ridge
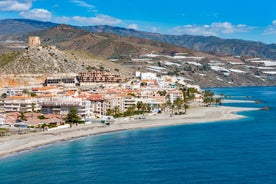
x: 209, y: 44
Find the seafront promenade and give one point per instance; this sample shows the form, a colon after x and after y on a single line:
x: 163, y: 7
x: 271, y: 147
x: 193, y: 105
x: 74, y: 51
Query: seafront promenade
x: 18, y: 143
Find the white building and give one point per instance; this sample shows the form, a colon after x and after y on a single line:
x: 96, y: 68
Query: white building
x: 17, y: 105
x: 63, y: 105
x: 146, y: 75
x: 174, y: 94
x: 128, y: 101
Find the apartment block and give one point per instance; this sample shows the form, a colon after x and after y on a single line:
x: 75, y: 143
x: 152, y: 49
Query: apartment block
x: 63, y: 105
x: 98, y: 77
x: 18, y: 104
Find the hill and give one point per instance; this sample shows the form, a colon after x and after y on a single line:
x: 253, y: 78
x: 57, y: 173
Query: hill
x: 210, y: 44
x: 50, y: 60
x: 106, y: 45
x: 20, y: 26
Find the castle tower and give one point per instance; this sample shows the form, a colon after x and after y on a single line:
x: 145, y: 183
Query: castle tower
x: 34, y: 41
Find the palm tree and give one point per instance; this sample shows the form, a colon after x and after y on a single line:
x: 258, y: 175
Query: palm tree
x: 144, y: 108
x: 33, y: 107
x: 139, y: 105
x: 208, y: 97
x: 178, y: 102
x: 218, y: 101
x: 186, y: 106
x: 172, y: 108
x: 148, y: 107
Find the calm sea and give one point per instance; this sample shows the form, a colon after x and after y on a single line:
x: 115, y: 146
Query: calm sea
x: 239, y: 151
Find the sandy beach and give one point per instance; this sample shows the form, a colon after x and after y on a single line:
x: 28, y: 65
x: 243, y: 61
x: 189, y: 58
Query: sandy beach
x: 14, y: 144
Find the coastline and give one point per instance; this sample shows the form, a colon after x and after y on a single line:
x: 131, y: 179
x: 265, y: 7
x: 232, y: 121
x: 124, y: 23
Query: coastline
x: 18, y: 143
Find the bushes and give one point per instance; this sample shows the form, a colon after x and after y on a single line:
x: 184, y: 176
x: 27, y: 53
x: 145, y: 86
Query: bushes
x: 8, y: 57
x: 4, y: 131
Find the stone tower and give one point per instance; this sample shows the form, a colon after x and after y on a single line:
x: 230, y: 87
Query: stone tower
x: 34, y: 41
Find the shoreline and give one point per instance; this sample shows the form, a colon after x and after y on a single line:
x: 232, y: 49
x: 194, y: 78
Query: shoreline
x: 20, y: 143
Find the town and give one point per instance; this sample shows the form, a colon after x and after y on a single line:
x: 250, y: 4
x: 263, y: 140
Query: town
x: 96, y: 96
x: 100, y: 96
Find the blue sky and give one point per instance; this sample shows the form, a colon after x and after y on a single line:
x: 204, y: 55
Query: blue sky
x: 243, y: 19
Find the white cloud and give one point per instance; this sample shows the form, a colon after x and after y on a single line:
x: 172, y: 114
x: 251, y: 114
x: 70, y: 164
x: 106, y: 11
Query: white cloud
x: 133, y: 26
x: 271, y: 30
x: 98, y: 20
x: 37, y: 14
x: 214, y: 29
x: 15, y: 5
x: 83, y: 4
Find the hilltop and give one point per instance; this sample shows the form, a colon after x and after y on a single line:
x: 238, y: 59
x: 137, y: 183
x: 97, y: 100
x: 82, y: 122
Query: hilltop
x: 106, y: 45
x: 50, y: 60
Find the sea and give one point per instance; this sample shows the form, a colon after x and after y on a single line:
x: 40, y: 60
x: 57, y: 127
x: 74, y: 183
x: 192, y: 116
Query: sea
x: 236, y: 151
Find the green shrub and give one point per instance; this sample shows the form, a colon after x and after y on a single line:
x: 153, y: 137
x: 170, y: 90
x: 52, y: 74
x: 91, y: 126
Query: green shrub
x: 8, y: 57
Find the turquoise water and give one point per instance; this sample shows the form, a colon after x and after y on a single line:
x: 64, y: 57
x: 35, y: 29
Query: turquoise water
x: 240, y: 151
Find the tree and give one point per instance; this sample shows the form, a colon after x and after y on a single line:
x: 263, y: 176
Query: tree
x: 109, y: 112
x: 148, y: 107
x: 162, y: 93
x: 72, y: 116
x: 188, y: 96
x: 186, y: 106
x: 208, y: 97
x: 218, y: 101
x: 33, y: 107
x: 4, y: 95
x: 139, y: 105
x: 41, y: 116
x: 116, y: 110
x: 178, y: 102
x: 25, y: 91
x: 22, y: 116
x: 144, y: 108
x: 32, y: 94
x: 130, y: 111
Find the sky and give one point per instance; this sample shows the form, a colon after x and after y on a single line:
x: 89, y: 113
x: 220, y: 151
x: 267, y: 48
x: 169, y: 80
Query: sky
x: 238, y: 19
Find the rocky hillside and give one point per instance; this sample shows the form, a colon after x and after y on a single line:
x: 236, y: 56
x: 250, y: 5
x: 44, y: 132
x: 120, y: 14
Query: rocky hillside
x: 50, y: 60
x: 106, y: 45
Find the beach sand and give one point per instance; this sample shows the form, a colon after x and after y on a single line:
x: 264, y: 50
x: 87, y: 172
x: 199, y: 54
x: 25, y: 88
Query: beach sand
x: 17, y: 143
